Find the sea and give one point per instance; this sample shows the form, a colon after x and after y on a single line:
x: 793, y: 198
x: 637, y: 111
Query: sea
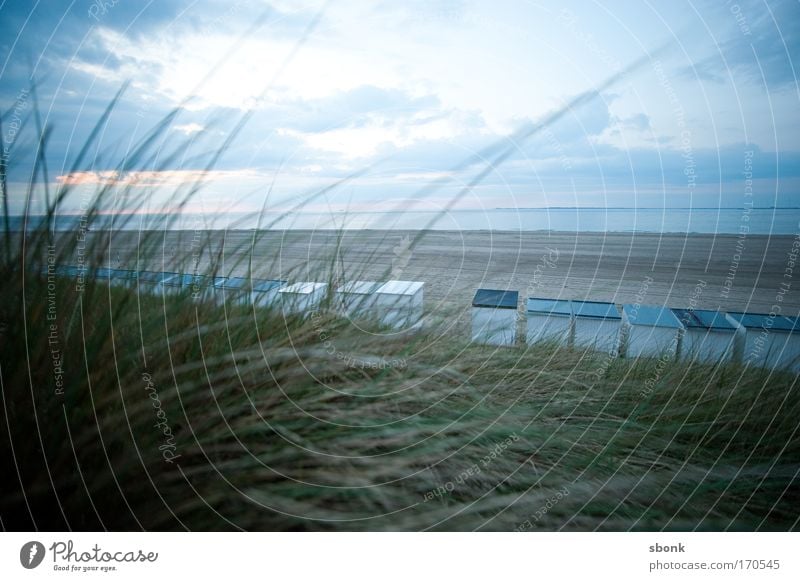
x: 749, y: 221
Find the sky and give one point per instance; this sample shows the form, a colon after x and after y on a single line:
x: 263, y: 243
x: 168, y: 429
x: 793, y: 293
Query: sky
x: 382, y: 105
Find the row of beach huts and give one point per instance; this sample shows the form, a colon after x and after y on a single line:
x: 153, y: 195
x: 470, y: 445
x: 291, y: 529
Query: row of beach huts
x: 395, y: 303
x: 636, y: 330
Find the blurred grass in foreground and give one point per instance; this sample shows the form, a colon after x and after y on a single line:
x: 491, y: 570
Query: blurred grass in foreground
x: 271, y: 430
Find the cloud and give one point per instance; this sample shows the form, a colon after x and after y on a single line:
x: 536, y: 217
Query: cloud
x: 189, y: 128
x: 416, y: 12
x: 761, y: 47
x: 420, y: 85
x: 639, y: 122
x: 381, y: 135
x: 214, y: 68
x: 152, y: 178
x: 360, y: 106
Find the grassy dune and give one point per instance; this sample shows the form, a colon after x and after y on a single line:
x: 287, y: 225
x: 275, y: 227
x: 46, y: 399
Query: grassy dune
x: 180, y: 414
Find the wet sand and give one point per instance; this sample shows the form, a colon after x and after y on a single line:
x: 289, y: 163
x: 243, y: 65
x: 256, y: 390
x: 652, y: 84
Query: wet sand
x: 715, y: 271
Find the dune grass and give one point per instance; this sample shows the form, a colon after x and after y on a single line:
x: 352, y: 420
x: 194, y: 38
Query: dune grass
x: 269, y: 429
x: 125, y: 410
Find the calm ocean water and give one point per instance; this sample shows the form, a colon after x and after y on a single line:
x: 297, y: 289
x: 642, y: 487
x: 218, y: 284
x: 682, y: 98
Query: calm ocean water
x: 672, y: 220
x: 760, y: 221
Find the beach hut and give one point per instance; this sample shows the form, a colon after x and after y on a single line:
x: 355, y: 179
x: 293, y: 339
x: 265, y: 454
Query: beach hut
x: 233, y: 291
x: 709, y: 336
x: 196, y: 285
x: 61, y: 271
x: 103, y: 274
x: 112, y: 276
x: 302, y: 297
x: 177, y: 284
x: 356, y: 297
x: 791, y: 353
x: 399, y: 303
x: 67, y: 271
x: 770, y: 341
x: 548, y: 320
x: 494, y: 316
x: 122, y: 278
x: 650, y: 331
x: 152, y: 282
x: 596, y: 325
x: 265, y: 292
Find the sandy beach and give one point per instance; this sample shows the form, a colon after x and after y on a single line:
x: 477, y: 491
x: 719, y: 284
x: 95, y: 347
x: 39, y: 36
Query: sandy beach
x: 752, y: 273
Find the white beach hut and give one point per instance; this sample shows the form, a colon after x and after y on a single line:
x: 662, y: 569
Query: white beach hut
x: 302, y: 297
x: 196, y: 285
x: 494, y: 316
x: 650, y: 331
x: 549, y: 320
x: 791, y: 353
x: 597, y: 325
x: 177, y: 284
x: 153, y: 282
x: 103, y: 274
x: 122, y: 278
x: 709, y: 336
x: 67, y: 271
x: 771, y: 341
x: 265, y: 292
x: 233, y: 291
x: 357, y: 298
x: 209, y: 292
x: 115, y: 276
x: 399, y: 303
x: 73, y: 272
